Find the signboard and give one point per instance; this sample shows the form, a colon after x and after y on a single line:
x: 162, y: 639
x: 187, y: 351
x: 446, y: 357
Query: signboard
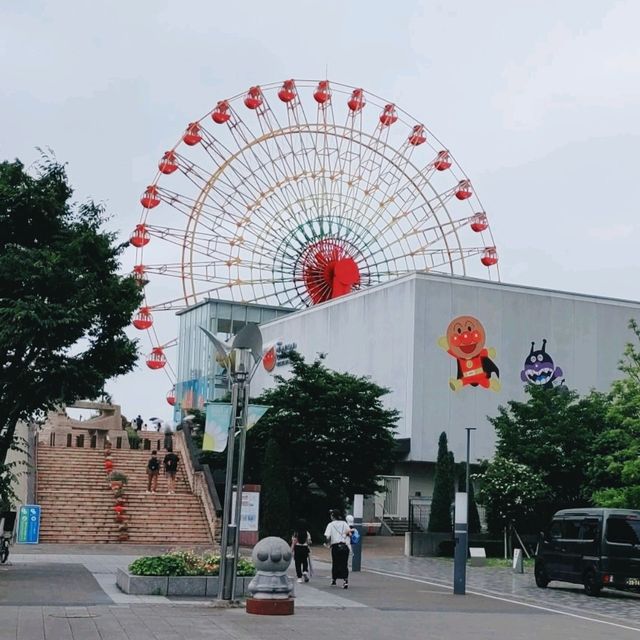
x: 29, y: 524
x: 276, y: 354
x: 250, y: 510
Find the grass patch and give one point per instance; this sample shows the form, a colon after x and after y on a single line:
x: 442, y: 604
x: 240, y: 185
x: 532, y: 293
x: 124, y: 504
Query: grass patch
x: 508, y: 563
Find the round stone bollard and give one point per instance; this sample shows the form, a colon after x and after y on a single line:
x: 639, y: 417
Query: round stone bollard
x: 271, y: 589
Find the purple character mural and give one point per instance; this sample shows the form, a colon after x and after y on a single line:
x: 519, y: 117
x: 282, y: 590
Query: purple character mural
x: 539, y: 368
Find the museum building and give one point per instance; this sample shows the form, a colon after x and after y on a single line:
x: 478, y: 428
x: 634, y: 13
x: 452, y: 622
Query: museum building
x: 450, y: 349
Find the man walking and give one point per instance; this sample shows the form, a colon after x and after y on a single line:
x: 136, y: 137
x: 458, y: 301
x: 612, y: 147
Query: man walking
x: 170, y: 463
x: 153, y: 471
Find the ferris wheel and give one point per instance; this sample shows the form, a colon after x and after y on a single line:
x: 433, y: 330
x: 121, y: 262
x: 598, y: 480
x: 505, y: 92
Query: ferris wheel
x: 295, y: 193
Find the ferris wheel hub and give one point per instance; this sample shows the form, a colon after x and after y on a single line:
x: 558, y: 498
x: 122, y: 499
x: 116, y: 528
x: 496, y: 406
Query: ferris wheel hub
x: 328, y: 270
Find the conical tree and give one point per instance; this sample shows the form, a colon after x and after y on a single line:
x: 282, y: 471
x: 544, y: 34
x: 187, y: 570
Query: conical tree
x: 474, y: 516
x: 443, y: 489
x: 275, y: 494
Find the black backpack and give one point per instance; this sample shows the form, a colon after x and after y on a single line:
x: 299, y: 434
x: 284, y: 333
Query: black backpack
x: 171, y: 462
x: 153, y: 464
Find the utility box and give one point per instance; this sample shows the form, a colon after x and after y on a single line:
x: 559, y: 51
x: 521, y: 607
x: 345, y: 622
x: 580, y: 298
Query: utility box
x: 477, y: 557
x: 518, y: 564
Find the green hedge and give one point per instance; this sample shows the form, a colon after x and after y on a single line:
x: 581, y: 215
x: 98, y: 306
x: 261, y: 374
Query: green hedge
x: 185, y: 563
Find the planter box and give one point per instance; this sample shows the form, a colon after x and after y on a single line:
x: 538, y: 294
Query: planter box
x: 187, y: 586
x: 242, y: 586
x: 142, y: 585
x: 196, y: 586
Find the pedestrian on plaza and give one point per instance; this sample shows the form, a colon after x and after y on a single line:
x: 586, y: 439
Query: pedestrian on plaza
x: 168, y: 438
x: 138, y: 422
x: 300, y: 543
x: 337, y: 535
x: 153, y: 471
x: 170, y: 463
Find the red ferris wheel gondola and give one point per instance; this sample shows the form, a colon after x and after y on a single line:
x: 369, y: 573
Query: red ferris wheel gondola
x: 156, y: 359
x: 140, y: 236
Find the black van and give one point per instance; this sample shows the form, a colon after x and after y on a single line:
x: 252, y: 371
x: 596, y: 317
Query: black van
x: 594, y: 547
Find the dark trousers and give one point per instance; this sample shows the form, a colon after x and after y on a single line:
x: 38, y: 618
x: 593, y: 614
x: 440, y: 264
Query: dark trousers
x: 339, y: 560
x: 301, y: 558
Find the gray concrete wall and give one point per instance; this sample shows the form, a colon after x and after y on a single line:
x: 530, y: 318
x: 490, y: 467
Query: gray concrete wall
x: 586, y: 337
x: 365, y: 334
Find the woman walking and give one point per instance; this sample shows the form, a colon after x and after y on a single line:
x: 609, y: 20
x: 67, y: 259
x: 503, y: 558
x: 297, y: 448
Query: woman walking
x: 300, y: 543
x: 337, y: 535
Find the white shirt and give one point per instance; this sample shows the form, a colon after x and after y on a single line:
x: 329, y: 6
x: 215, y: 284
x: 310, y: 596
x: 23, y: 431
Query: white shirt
x: 337, y: 531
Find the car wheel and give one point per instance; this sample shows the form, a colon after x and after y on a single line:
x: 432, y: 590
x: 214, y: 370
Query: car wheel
x: 540, y: 573
x: 591, y: 585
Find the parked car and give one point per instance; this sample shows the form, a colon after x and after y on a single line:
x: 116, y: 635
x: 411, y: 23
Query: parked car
x: 593, y: 547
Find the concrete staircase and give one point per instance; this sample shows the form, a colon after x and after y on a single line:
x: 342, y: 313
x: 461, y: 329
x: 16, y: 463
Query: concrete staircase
x: 397, y: 526
x: 77, y: 501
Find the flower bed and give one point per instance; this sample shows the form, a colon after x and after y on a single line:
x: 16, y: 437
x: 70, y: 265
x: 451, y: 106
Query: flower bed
x: 180, y: 573
x: 185, y: 563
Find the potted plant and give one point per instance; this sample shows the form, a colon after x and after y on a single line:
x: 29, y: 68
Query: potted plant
x: 117, y: 480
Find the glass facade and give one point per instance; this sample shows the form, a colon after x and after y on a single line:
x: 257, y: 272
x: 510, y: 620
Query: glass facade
x: 200, y: 378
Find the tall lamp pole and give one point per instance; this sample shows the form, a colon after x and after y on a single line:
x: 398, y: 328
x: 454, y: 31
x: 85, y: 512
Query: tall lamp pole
x: 242, y: 359
x: 461, y: 531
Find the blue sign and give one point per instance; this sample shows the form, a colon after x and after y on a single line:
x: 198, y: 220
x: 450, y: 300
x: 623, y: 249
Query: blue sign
x: 29, y: 524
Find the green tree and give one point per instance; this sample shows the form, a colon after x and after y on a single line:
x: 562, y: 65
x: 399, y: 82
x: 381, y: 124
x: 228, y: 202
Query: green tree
x: 443, y: 489
x: 553, y: 435
x: 510, y: 492
x: 614, y: 472
x: 275, y: 519
x: 474, y: 516
x: 63, y: 307
x: 337, y: 435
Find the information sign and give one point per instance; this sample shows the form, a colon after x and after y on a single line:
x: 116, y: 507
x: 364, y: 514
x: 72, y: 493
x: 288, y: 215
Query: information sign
x: 29, y: 524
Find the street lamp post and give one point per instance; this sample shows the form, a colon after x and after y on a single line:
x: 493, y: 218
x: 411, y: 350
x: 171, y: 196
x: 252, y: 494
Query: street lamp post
x: 242, y: 359
x: 466, y: 488
x: 461, y: 531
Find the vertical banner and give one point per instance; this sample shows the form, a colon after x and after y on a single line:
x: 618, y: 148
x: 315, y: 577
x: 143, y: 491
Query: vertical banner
x: 216, y: 429
x: 254, y: 413
x: 29, y: 524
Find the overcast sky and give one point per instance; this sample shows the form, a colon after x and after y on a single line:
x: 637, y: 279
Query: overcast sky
x: 538, y: 100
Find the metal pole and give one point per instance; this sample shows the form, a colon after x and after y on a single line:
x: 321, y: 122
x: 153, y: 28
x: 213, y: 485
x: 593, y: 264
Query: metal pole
x: 244, y: 394
x: 461, y: 542
x: 224, y: 594
x: 466, y: 488
x: 356, y: 549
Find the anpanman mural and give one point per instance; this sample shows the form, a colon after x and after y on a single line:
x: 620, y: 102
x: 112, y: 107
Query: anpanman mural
x: 465, y: 341
x: 539, y: 368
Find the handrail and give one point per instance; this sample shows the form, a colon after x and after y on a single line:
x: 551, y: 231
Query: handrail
x: 203, y: 467
x: 34, y: 462
x: 198, y: 481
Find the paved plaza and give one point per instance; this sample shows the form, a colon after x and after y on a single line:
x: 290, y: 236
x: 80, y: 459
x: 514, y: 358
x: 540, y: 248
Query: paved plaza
x: 71, y: 595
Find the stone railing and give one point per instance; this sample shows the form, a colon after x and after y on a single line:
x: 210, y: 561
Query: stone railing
x: 200, y: 481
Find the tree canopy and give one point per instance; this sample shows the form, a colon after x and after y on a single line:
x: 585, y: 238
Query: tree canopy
x: 443, y: 489
x: 63, y: 306
x: 614, y: 470
x: 552, y: 434
x: 337, y: 435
